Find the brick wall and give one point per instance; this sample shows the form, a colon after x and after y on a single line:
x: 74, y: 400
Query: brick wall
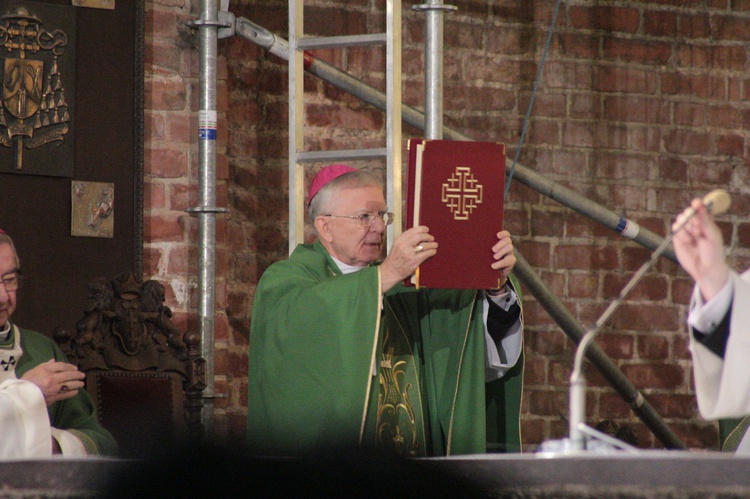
x: 640, y: 108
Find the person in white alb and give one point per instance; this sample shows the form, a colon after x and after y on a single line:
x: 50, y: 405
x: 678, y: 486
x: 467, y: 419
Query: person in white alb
x: 44, y: 409
x: 719, y: 323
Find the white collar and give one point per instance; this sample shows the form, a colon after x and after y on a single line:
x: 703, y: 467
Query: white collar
x: 345, y: 268
x: 5, y: 331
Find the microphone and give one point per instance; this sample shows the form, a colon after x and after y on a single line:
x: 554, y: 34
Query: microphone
x: 716, y: 201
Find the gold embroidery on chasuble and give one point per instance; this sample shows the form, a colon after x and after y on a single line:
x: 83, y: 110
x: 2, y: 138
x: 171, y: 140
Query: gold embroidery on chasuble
x: 400, y: 420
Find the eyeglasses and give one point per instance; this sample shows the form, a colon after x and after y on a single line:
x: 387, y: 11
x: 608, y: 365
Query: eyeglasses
x: 367, y: 219
x: 11, y: 281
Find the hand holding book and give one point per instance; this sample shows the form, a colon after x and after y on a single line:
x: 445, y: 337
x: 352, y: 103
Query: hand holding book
x: 409, y: 251
x: 456, y: 188
x: 505, y: 258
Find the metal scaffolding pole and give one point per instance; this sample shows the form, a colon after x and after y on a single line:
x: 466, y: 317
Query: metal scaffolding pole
x: 433, y: 66
x: 342, y: 80
x: 206, y: 211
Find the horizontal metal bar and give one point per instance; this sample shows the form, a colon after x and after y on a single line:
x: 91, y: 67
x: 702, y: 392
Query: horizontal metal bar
x: 340, y: 155
x: 341, y: 41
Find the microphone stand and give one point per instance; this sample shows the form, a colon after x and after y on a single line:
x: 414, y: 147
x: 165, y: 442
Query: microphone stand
x: 579, y: 432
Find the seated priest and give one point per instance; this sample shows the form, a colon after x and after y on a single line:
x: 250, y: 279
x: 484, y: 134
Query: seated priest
x: 344, y: 355
x: 48, y: 404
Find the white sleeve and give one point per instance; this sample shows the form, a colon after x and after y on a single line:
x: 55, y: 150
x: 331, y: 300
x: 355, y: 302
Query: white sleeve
x: 24, y: 421
x: 706, y: 316
x: 500, y: 358
x: 70, y: 445
x: 722, y: 386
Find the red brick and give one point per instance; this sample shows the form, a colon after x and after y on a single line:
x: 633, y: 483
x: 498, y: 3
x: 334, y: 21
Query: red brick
x: 151, y: 260
x: 548, y: 403
x: 586, y: 257
x: 583, y: 285
x: 535, y: 315
x: 644, y: 52
x: 544, y: 342
x: 567, y: 75
x: 238, y: 362
x: 534, y: 372
x: 689, y: 114
x: 180, y: 262
x: 559, y: 372
x: 694, y: 26
x: 673, y: 169
x: 624, y: 79
x: 165, y: 95
x: 153, y: 196
x: 221, y: 387
x: 221, y: 362
x: 183, y: 196
x: 730, y: 28
x: 649, y: 288
x: 660, y: 23
x: 547, y: 223
x: 655, y: 375
x: 682, y: 290
x: 687, y: 142
x: 730, y: 145
x: 221, y: 327
x: 163, y: 57
x: 536, y: 253
x: 636, y: 109
x: 180, y: 127
x: 612, y: 406
x: 653, y: 346
x: 166, y: 163
x: 162, y: 23
x: 646, y: 317
x: 675, y: 405
x: 716, y: 173
x: 532, y: 431
x: 605, y: 18
x: 163, y: 227
x: 555, y: 282
x: 585, y: 106
x: 154, y: 127
x: 578, y: 134
x: 617, y: 346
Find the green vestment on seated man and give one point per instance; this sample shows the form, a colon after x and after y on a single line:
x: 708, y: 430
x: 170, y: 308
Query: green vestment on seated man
x: 76, y: 415
x: 316, y: 338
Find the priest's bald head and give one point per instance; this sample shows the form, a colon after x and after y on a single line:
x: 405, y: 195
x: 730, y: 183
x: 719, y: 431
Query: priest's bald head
x: 348, y: 210
x: 9, y: 266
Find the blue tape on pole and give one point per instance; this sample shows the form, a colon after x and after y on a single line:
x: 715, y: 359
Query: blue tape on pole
x: 207, y: 134
x: 621, y: 224
x: 627, y: 228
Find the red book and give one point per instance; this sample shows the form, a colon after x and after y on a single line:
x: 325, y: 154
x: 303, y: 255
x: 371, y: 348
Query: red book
x: 456, y: 189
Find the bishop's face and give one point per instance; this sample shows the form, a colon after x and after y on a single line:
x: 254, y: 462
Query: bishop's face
x: 7, y: 298
x: 346, y: 239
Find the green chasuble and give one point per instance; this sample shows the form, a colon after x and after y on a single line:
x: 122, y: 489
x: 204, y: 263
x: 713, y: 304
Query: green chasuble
x: 332, y: 365
x: 76, y: 414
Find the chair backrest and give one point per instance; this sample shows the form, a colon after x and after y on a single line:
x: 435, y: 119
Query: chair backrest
x: 145, y: 377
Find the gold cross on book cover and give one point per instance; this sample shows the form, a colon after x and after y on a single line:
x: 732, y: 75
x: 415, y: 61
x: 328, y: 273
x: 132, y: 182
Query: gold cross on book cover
x: 456, y: 188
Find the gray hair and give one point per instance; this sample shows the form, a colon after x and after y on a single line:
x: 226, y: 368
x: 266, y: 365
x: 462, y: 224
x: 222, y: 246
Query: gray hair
x: 321, y: 202
x: 5, y: 239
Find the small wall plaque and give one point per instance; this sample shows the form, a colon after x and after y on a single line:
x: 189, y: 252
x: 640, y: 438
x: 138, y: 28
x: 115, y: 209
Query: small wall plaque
x: 95, y: 4
x: 92, y: 209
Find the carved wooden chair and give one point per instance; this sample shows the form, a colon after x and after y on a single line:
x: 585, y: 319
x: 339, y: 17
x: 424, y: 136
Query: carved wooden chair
x: 145, y: 377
